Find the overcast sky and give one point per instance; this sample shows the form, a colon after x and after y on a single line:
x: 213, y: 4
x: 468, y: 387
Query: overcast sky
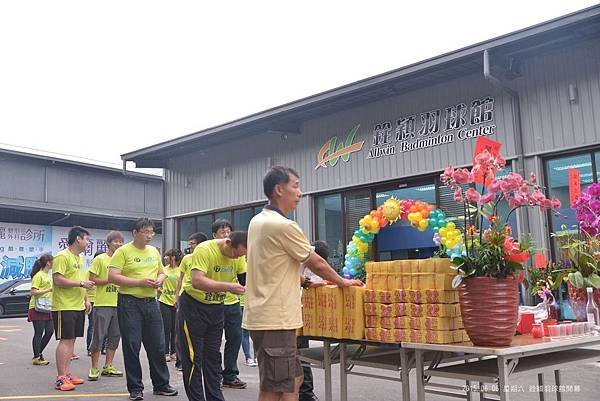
x: 99, y: 79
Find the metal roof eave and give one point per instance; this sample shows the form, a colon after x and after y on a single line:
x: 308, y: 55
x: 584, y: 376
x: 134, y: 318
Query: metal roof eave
x: 152, y: 153
x: 53, y: 159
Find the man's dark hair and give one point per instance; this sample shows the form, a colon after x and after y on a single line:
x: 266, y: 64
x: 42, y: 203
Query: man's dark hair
x: 277, y: 175
x: 239, y: 238
x: 198, y: 237
x: 221, y: 223
x: 142, y: 223
x: 321, y: 248
x: 75, y: 232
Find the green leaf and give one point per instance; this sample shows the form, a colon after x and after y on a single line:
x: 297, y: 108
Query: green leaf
x: 594, y: 280
x: 456, y: 281
x: 576, y: 278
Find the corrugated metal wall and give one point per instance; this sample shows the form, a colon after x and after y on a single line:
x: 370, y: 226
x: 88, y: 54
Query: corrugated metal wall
x: 550, y: 121
x: 29, y: 182
x: 231, y: 174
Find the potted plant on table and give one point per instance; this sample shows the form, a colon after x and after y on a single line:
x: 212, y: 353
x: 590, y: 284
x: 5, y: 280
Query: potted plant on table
x: 489, y: 261
x: 581, y: 251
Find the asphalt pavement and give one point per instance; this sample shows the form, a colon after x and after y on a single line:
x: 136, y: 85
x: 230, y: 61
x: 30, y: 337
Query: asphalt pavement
x: 20, y: 380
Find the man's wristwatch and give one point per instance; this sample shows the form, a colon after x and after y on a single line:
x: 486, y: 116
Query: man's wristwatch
x: 81, y: 283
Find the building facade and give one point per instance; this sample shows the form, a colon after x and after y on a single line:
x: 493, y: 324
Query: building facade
x: 536, y: 91
x: 42, y: 196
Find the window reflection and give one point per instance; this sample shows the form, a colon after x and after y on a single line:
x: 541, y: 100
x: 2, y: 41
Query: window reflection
x: 401, y: 241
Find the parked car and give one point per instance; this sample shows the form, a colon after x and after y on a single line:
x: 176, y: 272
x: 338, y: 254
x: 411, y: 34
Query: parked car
x: 14, y: 297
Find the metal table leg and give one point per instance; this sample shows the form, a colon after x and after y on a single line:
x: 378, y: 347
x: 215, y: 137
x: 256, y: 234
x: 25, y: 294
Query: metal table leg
x: 343, y: 373
x: 420, y: 368
x: 502, y: 379
x: 541, y: 385
x: 327, y: 366
x: 557, y: 382
x: 404, y: 371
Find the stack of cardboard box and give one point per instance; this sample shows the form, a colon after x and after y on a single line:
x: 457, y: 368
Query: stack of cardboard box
x: 412, y: 300
x: 333, y: 312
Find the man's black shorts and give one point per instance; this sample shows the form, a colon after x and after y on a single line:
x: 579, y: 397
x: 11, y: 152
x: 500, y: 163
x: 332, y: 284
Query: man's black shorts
x: 68, y: 324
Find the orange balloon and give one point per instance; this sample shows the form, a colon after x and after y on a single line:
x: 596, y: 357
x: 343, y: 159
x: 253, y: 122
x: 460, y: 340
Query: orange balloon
x: 414, y: 208
x: 425, y: 212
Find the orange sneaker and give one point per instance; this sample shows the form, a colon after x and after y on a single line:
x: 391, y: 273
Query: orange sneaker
x: 74, y: 379
x: 63, y: 384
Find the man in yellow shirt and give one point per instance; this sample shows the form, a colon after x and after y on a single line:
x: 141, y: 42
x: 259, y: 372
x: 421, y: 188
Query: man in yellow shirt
x: 217, y: 266
x: 184, y: 267
x: 105, y: 323
x: 232, y: 325
x: 69, y: 304
x: 276, y: 247
x: 137, y: 269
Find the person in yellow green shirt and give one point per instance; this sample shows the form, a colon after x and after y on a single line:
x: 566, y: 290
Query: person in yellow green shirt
x: 232, y: 325
x: 218, y: 267
x: 167, y: 300
x: 184, y: 267
x: 69, y: 303
x: 41, y: 287
x: 186, y: 262
x: 105, y: 322
x: 137, y: 269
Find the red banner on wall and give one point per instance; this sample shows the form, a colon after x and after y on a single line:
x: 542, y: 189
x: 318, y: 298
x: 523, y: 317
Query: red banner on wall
x: 491, y: 146
x: 574, y: 185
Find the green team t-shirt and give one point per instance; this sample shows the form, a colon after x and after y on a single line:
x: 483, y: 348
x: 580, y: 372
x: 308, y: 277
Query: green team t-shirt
x: 91, y: 294
x: 231, y: 298
x: 139, y: 264
x: 106, y: 295
x: 40, y: 281
x: 184, y: 267
x: 69, y: 266
x: 167, y: 295
x: 207, y: 258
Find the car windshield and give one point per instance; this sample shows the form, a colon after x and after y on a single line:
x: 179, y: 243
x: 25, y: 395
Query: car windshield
x: 5, y: 285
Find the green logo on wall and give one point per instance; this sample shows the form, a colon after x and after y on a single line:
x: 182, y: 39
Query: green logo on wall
x: 331, y: 154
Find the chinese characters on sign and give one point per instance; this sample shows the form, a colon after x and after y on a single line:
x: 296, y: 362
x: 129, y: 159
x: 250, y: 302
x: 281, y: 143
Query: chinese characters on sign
x: 433, y: 128
x: 22, y: 244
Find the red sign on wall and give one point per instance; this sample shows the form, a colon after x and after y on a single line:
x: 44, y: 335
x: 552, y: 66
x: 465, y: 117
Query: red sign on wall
x: 493, y: 147
x: 574, y: 185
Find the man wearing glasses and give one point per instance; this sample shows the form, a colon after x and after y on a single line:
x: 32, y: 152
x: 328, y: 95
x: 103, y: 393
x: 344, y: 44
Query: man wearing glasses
x: 137, y: 269
x: 218, y: 266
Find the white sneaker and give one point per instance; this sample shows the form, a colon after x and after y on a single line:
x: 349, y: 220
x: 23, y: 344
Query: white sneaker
x: 251, y: 362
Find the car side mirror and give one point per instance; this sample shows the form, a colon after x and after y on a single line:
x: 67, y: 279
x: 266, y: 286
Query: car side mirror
x: 12, y: 291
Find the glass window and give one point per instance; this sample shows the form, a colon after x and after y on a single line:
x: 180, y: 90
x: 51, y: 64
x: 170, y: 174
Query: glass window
x: 558, y: 187
x: 204, y: 224
x: 224, y: 215
x: 357, y: 205
x: 187, y: 226
x: 25, y: 287
x: 329, y: 227
x: 400, y: 240
x: 241, y: 218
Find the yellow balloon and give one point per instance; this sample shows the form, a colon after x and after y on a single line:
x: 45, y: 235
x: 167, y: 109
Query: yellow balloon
x: 423, y: 224
x: 443, y: 232
x: 418, y: 216
x: 450, y: 244
x: 451, y: 226
x: 421, y: 228
x: 392, y: 209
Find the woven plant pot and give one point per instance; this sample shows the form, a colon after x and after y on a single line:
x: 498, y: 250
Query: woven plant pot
x: 490, y: 309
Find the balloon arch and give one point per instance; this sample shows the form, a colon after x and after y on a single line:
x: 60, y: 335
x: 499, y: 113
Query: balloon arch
x: 419, y: 214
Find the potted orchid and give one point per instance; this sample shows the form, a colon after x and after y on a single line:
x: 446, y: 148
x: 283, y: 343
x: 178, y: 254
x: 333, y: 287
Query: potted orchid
x: 489, y: 260
x: 581, y: 251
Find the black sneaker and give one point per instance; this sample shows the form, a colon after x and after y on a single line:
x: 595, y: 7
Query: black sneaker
x: 235, y: 383
x: 136, y: 396
x: 167, y: 390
